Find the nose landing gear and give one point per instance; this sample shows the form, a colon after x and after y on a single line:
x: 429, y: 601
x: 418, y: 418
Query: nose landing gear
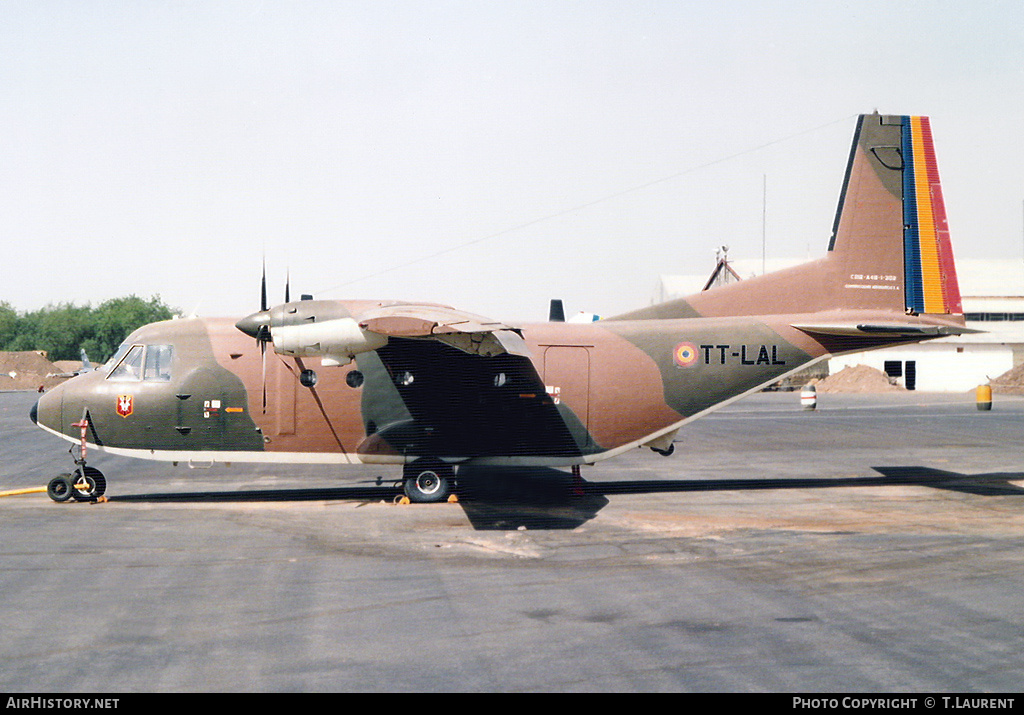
x: 85, y: 483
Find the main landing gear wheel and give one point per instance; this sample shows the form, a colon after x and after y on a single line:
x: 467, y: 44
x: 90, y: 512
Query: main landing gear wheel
x: 88, y: 485
x: 60, y: 489
x: 428, y: 480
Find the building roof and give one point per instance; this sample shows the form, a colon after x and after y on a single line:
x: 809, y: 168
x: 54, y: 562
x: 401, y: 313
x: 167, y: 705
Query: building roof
x: 986, y: 278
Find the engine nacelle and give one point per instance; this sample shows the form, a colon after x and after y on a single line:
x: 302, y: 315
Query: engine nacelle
x: 337, y: 340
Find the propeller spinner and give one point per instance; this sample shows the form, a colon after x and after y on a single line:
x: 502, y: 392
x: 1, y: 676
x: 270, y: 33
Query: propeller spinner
x: 257, y: 325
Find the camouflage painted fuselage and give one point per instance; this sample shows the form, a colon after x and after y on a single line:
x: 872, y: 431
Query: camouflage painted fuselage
x: 431, y: 381
x: 587, y: 392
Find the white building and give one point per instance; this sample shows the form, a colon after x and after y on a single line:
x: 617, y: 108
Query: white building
x: 993, y: 301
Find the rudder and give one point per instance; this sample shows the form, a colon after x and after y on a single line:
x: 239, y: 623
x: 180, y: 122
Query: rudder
x: 929, y: 271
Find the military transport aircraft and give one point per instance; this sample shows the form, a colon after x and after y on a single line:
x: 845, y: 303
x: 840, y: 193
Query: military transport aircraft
x: 430, y: 387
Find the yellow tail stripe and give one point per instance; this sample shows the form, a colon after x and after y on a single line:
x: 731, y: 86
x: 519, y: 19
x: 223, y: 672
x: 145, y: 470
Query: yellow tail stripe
x: 931, y: 276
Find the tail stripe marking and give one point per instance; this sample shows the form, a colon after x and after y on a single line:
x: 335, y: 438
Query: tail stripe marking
x: 911, y: 242
x: 946, y: 267
x: 934, y: 299
x: 930, y: 276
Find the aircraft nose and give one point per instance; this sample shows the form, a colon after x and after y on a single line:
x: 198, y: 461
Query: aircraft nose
x: 48, y: 409
x: 254, y: 325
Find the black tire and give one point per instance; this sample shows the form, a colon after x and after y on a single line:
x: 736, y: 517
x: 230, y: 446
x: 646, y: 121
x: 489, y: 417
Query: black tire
x: 95, y: 481
x: 59, y: 489
x: 428, y: 481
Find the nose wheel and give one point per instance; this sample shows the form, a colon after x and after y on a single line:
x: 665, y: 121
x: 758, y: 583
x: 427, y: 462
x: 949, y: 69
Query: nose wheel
x: 89, y: 484
x: 59, y: 489
x: 83, y: 484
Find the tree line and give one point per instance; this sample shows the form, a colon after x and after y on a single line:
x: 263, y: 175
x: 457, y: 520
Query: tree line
x: 64, y: 330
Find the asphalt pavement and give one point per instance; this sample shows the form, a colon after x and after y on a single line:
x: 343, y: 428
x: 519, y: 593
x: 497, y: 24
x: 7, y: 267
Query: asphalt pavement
x: 873, y: 545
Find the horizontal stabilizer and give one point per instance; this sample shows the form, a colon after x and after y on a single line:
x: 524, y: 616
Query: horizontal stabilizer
x: 919, y: 330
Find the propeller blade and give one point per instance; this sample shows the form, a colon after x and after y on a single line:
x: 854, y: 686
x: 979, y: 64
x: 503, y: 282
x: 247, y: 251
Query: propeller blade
x: 263, y: 288
x: 287, y: 284
x: 263, y: 332
x: 263, y: 357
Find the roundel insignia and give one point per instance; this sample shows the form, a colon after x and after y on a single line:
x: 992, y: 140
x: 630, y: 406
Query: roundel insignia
x: 685, y: 354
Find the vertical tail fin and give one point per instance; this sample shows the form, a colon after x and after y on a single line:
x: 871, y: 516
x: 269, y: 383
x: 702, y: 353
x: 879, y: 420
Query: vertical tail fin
x: 890, y: 249
x: 890, y: 230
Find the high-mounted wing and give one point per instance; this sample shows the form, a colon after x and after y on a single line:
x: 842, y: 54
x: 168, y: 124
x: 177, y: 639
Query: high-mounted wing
x: 467, y: 332
x: 338, y: 331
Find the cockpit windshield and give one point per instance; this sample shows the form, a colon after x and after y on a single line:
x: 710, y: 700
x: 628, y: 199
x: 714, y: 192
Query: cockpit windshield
x: 130, y: 366
x: 116, y: 358
x: 142, y: 362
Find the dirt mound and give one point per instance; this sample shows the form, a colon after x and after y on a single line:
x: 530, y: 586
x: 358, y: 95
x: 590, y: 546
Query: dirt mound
x: 858, y: 378
x: 1010, y: 382
x: 27, y: 371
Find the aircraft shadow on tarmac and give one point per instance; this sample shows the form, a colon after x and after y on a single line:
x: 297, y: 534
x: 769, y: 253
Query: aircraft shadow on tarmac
x: 993, y: 484
x: 493, y: 498
x: 507, y: 498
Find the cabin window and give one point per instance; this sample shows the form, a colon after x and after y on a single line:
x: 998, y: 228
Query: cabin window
x: 130, y: 366
x: 158, y: 363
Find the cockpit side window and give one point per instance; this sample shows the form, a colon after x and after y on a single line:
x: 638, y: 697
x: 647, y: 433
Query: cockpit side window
x: 130, y: 366
x: 158, y: 363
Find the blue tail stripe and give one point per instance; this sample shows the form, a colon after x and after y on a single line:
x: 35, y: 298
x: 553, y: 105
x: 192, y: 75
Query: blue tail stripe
x: 911, y: 240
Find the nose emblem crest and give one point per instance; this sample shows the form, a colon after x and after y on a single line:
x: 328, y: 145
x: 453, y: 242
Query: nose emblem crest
x: 124, y: 405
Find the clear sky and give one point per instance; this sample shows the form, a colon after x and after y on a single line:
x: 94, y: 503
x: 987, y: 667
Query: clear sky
x: 486, y: 154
